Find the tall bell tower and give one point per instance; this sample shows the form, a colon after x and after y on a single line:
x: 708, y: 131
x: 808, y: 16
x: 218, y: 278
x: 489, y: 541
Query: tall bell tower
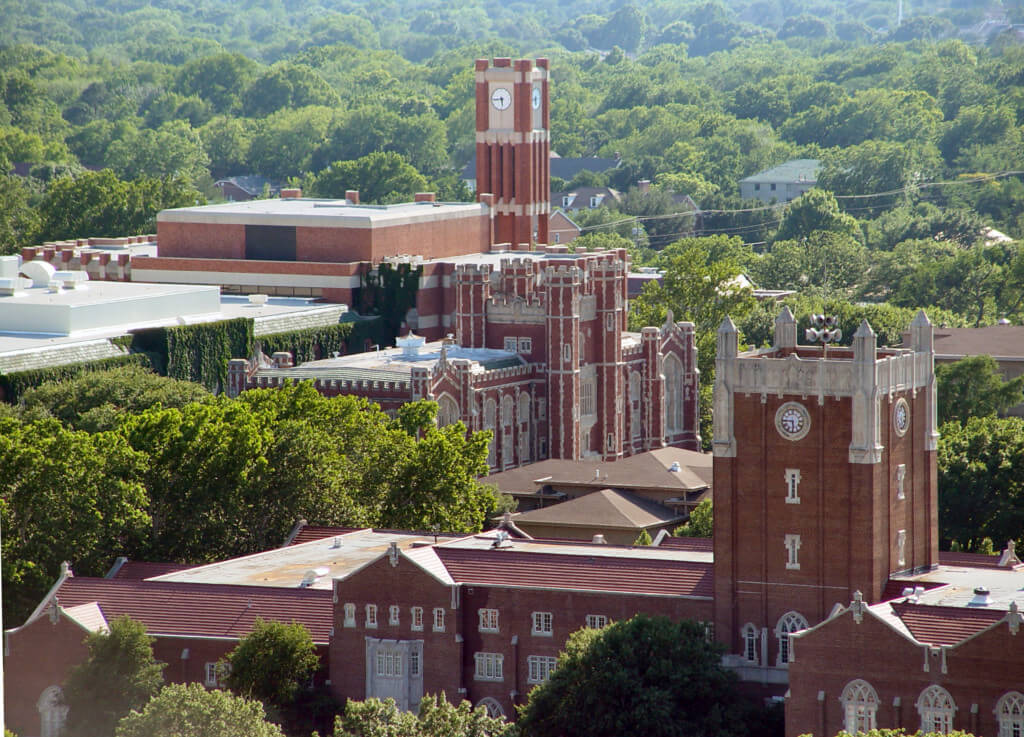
x: 825, y: 481
x: 513, y: 146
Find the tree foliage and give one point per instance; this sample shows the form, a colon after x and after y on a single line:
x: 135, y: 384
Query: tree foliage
x: 118, y: 676
x: 645, y: 675
x: 437, y: 717
x: 973, y: 387
x: 701, y: 522
x: 191, y: 710
x: 273, y: 663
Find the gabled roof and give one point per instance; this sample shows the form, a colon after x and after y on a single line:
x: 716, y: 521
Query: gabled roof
x: 580, y: 197
x: 173, y: 609
x: 944, y: 625
x: 251, y: 184
x: 794, y: 171
x: 614, y: 574
x: 998, y: 341
x: 607, y: 508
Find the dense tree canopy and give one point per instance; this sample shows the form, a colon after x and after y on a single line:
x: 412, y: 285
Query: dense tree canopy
x: 191, y: 710
x: 437, y: 717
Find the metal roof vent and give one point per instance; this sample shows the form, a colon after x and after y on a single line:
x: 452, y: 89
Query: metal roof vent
x: 599, y: 539
x: 913, y: 593
x: 312, y: 575
x: 338, y: 542
x: 981, y: 597
x: 501, y: 541
x: 674, y: 467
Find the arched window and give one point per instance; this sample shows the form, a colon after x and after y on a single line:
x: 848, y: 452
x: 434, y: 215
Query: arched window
x: 860, y: 705
x: 1010, y: 714
x: 936, y: 708
x: 447, y: 411
x: 673, y: 394
x: 524, y: 408
x: 52, y: 712
x: 751, y: 642
x: 490, y: 423
x: 507, y: 410
x: 789, y: 623
x: 494, y: 709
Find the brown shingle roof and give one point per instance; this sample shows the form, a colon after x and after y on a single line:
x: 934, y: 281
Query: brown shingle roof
x: 944, y: 625
x: 517, y: 569
x: 207, y: 610
x: 996, y: 340
x: 605, y: 508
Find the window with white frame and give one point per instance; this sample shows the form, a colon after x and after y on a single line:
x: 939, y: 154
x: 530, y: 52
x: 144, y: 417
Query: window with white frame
x: 792, y: 543
x: 597, y: 621
x: 558, y: 236
x: 673, y: 369
x: 414, y: 662
x: 1010, y: 714
x: 936, y: 708
x: 447, y: 411
x: 540, y: 668
x: 393, y: 614
x: 417, y: 618
x: 489, y: 667
x: 542, y: 623
x: 789, y: 623
x: 901, y: 474
x: 751, y: 642
x: 389, y: 663
x: 526, y: 345
x: 792, y: 486
x: 565, y: 201
x: 488, y: 620
x: 350, y: 615
x: 438, y: 619
x: 901, y: 547
x: 609, y: 321
x: 371, y: 615
x: 860, y: 705
x: 709, y: 631
x: 53, y: 711
x: 215, y: 673
x: 587, y: 404
x: 511, y: 344
x: 490, y: 423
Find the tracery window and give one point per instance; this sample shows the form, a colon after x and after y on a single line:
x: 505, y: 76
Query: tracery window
x: 860, y: 705
x: 936, y: 708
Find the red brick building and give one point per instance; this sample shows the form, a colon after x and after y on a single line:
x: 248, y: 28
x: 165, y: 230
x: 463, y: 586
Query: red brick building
x: 540, y: 356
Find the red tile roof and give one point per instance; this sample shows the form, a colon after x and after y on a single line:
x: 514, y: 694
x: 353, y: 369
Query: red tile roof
x: 138, y: 570
x: 309, y: 533
x: 969, y: 560
x: 207, y: 610
x: 693, y: 544
x: 944, y: 625
x: 517, y: 569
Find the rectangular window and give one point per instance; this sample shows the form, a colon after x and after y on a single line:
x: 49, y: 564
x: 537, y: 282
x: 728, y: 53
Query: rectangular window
x: 438, y: 619
x: 901, y: 474
x: 389, y: 663
x: 526, y: 345
x: 414, y: 662
x: 350, y: 615
x: 558, y: 237
x: 792, y: 486
x: 511, y: 344
x: 609, y: 322
x: 371, y: 615
x: 567, y: 353
x: 901, y: 547
x: 597, y: 621
x: 393, y: 614
x: 587, y: 404
x: 757, y: 186
x: 488, y: 620
x: 417, y: 618
x: 565, y: 201
x: 542, y: 623
x: 792, y: 543
x: 773, y: 187
x: 540, y: 668
x: 489, y: 667
x: 709, y: 631
x: 215, y: 673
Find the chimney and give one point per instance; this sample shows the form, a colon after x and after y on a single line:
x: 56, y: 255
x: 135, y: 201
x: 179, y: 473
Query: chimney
x: 425, y: 197
x: 291, y: 193
x: 352, y: 195
x: 282, y: 359
x: 644, y: 185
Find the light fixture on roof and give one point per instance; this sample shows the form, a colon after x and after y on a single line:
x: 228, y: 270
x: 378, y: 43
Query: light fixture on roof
x: 501, y: 541
x: 981, y: 597
x: 674, y: 467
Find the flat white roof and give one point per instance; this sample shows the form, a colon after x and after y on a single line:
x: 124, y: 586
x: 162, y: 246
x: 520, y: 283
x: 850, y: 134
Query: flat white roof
x: 485, y: 541
x: 1004, y: 585
x: 320, y: 213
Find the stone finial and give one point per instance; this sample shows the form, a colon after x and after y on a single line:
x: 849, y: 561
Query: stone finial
x: 785, y: 329
x: 670, y: 319
x: 1014, y: 618
x: 864, y: 344
x: 393, y: 554
x: 728, y: 339
x: 922, y: 333
x: 1009, y: 558
x: 857, y: 606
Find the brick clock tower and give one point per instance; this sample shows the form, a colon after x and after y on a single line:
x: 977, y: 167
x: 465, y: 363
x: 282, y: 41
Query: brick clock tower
x: 825, y: 482
x: 513, y: 147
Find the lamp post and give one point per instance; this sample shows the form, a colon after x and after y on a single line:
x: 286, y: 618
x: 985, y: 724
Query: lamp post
x: 823, y: 330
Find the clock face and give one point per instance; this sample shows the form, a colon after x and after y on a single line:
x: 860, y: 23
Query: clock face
x: 536, y: 98
x: 792, y: 421
x: 901, y: 416
x: 501, y: 98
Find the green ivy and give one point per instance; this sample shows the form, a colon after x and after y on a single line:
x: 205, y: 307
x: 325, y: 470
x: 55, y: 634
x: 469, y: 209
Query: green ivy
x: 309, y: 344
x: 197, y: 353
x: 13, y: 385
x: 390, y: 293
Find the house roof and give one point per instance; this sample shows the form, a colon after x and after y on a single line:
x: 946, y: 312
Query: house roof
x: 561, y: 167
x: 649, y: 470
x: 517, y: 567
x: 251, y: 184
x: 998, y: 341
x: 794, y: 171
x: 580, y: 197
x: 944, y: 625
x: 173, y: 609
x: 607, y: 508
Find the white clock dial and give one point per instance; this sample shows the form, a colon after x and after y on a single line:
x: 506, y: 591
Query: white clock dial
x: 501, y: 98
x: 536, y: 98
x: 901, y: 416
x: 792, y: 421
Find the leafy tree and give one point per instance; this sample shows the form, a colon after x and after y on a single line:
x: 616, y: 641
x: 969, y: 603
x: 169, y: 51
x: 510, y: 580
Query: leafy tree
x: 878, y: 168
x: 832, y: 262
x: 437, y: 718
x: 18, y: 220
x: 973, y: 387
x: 644, y: 538
x: 226, y: 142
x: 287, y: 85
x: 812, y: 211
x: 174, y: 149
x: 981, y: 481
x: 219, y: 78
x: 273, y: 663
x: 284, y: 143
x: 701, y: 522
x: 181, y: 710
x: 119, y: 675
x: 645, y: 675
x: 380, y: 177
x: 96, y: 401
